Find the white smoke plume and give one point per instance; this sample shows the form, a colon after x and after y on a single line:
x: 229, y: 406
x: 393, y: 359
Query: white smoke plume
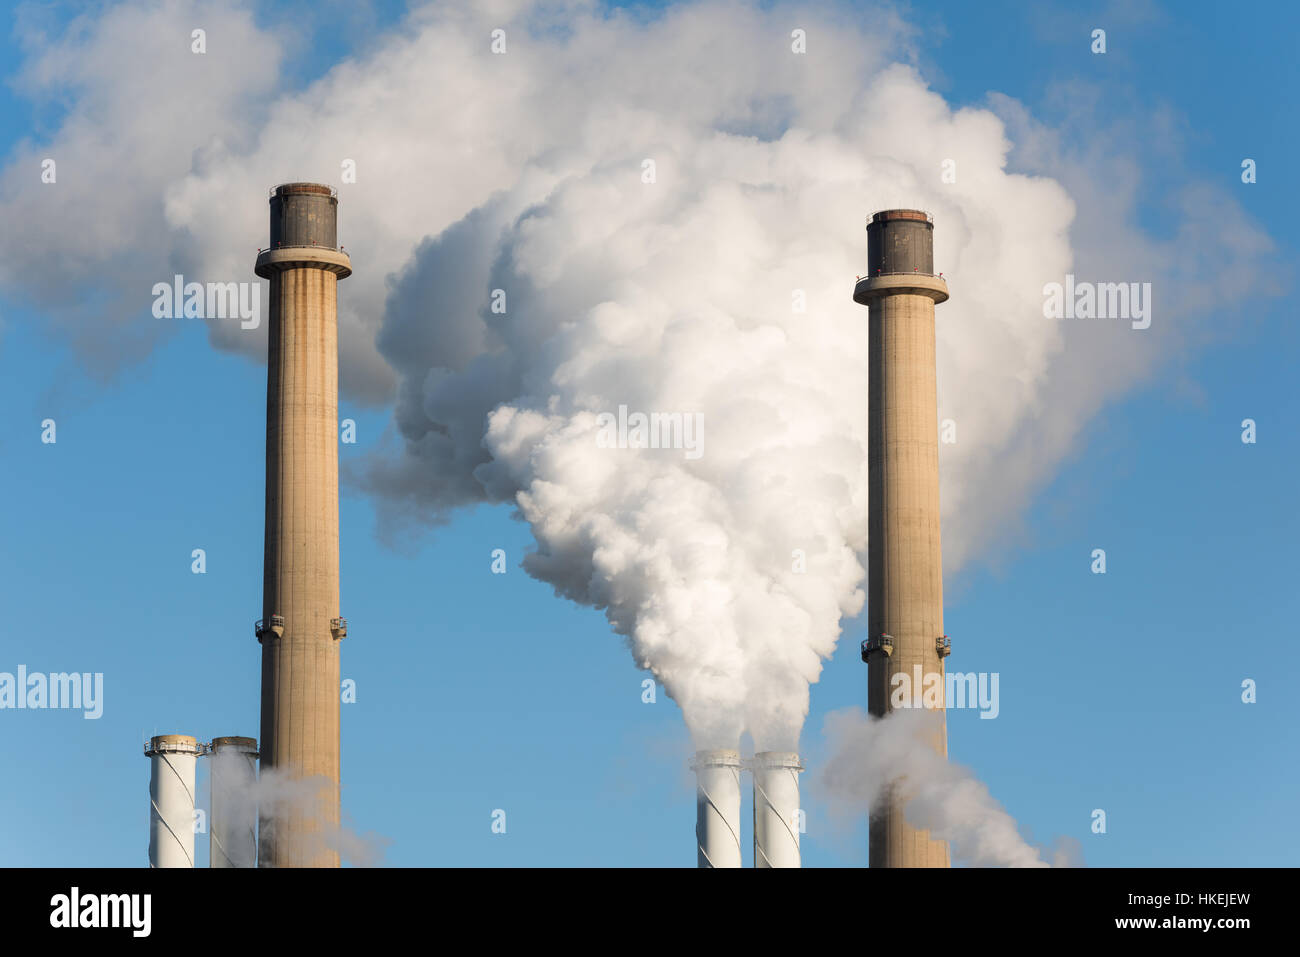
x: 720, y: 289
x: 232, y: 777
x: 870, y: 758
x: 526, y: 172
x: 272, y: 794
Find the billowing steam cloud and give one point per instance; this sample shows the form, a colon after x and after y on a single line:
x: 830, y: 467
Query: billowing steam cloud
x: 672, y: 211
x: 696, y: 258
x: 870, y: 756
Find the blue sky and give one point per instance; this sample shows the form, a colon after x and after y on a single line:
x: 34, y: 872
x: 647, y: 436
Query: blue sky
x: 478, y: 691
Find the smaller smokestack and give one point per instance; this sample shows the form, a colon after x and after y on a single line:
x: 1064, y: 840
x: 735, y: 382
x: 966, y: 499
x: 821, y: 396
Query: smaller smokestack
x: 232, y: 832
x: 717, y: 808
x: 776, y: 808
x: 171, y: 799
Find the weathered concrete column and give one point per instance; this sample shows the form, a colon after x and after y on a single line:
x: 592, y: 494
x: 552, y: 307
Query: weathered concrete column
x: 905, y: 567
x: 301, y: 625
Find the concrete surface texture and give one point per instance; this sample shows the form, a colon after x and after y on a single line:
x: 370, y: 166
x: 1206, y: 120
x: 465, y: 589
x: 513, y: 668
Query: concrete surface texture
x: 905, y: 567
x: 300, y: 660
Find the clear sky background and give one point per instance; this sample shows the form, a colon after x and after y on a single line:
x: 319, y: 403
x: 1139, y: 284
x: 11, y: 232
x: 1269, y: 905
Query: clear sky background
x: 478, y: 691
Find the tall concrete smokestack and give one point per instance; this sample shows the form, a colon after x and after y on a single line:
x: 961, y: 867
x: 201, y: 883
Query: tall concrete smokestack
x: 232, y: 829
x: 171, y: 799
x: 301, y: 627
x: 776, y: 809
x: 905, y: 568
x: 717, y: 808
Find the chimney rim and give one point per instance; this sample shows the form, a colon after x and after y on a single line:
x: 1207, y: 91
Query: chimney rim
x: 716, y: 758
x: 304, y: 188
x: 172, y: 744
x: 913, y: 215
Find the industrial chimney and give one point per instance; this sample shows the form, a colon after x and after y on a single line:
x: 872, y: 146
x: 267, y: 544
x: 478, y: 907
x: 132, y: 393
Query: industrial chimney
x: 776, y: 808
x: 301, y: 625
x: 717, y: 808
x: 232, y: 829
x: 905, y: 568
x: 171, y: 799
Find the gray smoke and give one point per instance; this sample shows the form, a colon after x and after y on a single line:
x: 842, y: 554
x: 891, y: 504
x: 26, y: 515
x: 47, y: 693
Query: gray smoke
x: 233, y: 818
x: 273, y: 793
x: 874, y: 758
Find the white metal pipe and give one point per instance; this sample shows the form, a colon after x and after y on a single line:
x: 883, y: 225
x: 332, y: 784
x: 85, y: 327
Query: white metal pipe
x: 232, y: 834
x: 717, y: 808
x: 776, y: 809
x: 171, y: 799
